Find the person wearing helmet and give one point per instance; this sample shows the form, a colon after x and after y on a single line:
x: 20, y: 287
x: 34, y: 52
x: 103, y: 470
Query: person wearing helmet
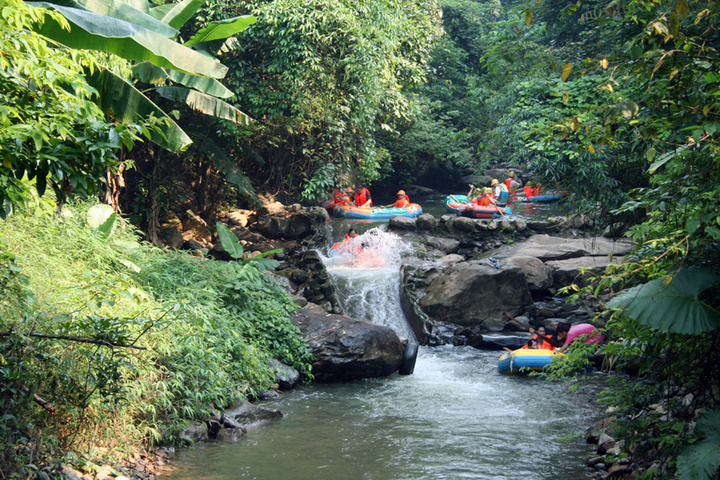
x: 402, y: 200
x: 500, y: 191
x: 512, y: 183
x: 484, y: 199
x: 362, y: 196
x: 528, y: 189
x: 537, y: 189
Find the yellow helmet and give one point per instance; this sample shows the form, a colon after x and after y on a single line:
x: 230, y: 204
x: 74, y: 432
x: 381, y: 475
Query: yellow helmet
x: 512, y: 175
x: 401, y: 192
x: 494, y: 182
x: 488, y: 190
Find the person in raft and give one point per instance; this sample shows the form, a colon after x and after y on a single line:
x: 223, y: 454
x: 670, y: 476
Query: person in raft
x: 484, y: 199
x: 568, y: 334
x: 512, y: 183
x: 500, y: 191
x: 537, y: 342
x: 362, y: 196
x: 402, y: 200
x: 350, y: 235
x: 528, y: 189
x: 342, y: 196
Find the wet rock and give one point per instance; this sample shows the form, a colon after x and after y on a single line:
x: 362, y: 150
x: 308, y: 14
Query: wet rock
x: 194, y: 432
x: 287, y: 377
x: 461, y: 224
x: 446, y: 245
x: 538, y: 275
x: 247, y: 413
x: 468, y: 293
x: 347, y: 348
x: 426, y: 222
x: 401, y: 223
x: 231, y: 435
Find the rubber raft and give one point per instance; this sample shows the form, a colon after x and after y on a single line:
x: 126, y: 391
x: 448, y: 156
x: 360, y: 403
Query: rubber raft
x: 524, y: 360
x: 377, y: 213
x: 460, y: 205
x: 546, y: 198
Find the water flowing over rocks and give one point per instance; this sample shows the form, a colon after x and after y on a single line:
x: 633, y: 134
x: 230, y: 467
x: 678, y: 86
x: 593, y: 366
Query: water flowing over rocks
x: 347, y: 348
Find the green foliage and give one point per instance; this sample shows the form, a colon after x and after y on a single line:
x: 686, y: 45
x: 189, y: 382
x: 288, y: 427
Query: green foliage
x: 124, y: 341
x: 333, y: 75
x: 701, y: 460
x: 51, y: 131
x: 672, y: 303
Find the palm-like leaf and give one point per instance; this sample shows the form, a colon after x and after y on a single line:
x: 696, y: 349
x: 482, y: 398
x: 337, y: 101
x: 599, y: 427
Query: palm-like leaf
x: 122, y: 11
x: 229, y: 241
x: 149, y: 73
x: 674, y: 306
x: 227, y: 167
x: 127, y: 104
x: 176, y: 14
x: 222, y: 29
x: 204, y: 103
x: 91, y: 31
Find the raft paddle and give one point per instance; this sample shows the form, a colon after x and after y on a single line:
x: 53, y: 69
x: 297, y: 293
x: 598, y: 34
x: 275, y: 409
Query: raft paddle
x: 550, y: 340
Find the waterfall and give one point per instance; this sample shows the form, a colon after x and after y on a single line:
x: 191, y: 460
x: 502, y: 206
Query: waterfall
x: 366, y: 274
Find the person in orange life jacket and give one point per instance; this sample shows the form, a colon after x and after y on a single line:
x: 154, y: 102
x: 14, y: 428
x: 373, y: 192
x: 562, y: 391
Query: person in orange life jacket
x: 539, y: 343
x: 484, y: 199
x: 528, y: 189
x: 362, y: 196
x: 512, y: 183
x: 341, y: 197
x: 402, y: 200
x: 350, y: 235
x: 537, y: 190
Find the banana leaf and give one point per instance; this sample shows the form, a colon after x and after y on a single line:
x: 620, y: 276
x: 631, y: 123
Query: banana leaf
x: 125, y: 103
x: 176, y: 14
x: 91, y: 31
x: 204, y: 103
x: 122, y: 11
x: 222, y: 29
x: 149, y: 73
x: 227, y: 167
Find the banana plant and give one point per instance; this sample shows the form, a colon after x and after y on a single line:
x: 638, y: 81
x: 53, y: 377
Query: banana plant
x: 147, y: 35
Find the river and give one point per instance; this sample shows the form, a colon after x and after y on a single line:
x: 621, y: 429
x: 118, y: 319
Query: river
x: 456, y: 417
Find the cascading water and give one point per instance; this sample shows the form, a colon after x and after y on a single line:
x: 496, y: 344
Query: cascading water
x: 366, y: 274
x: 456, y: 417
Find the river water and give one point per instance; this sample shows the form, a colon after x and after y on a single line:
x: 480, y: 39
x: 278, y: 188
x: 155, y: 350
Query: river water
x: 456, y: 417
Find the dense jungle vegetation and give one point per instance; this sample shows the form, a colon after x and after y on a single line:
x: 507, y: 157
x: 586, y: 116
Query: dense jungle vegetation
x: 202, y: 104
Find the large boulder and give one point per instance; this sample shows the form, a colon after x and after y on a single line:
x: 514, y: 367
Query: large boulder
x: 546, y: 247
x: 470, y: 293
x: 347, y: 348
x: 565, y: 272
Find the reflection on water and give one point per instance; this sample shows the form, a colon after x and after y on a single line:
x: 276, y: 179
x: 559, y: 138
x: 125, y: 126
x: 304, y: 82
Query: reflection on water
x: 455, y: 418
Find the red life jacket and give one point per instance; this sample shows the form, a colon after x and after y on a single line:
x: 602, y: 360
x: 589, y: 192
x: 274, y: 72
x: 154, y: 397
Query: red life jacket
x: 341, y: 197
x: 402, y: 202
x: 508, y: 181
x: 482, y: 201
x: 362, y: 197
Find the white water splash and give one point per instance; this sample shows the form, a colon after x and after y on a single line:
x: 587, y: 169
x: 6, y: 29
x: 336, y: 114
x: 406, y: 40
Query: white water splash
x: 366, y: 274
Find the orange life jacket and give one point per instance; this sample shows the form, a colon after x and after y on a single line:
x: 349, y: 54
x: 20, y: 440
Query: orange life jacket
x: 402, y: 202
x: 341, y: 198
x: 482, y: 201
x: 543, y: 344
x: 537, y: 191
x: 362, y: 197
x: 528, y: 191
x: 508, y: 181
